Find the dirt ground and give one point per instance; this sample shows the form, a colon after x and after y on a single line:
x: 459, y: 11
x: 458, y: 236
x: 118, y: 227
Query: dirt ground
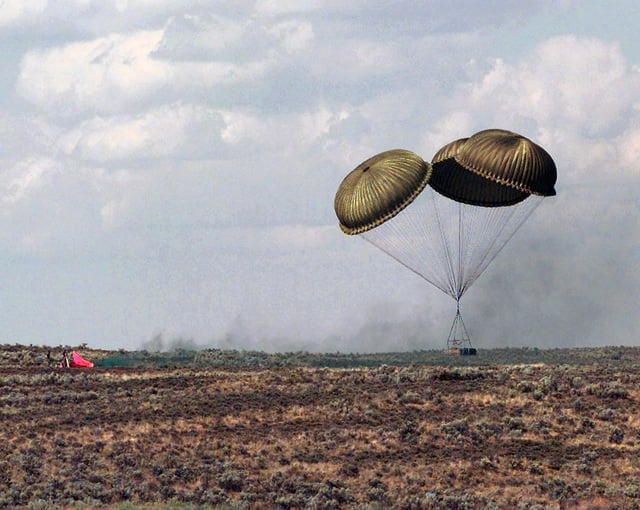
x: 523, y: 436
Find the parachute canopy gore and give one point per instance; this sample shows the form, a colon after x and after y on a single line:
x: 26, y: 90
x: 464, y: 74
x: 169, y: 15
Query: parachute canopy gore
x: 379, y: 188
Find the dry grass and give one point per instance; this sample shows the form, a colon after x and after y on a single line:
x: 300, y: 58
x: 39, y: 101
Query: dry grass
x: 522, y: 436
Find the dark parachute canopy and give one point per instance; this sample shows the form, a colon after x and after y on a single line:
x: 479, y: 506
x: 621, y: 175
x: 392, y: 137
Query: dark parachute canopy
x: 480, y: 190
x: 493, y: 168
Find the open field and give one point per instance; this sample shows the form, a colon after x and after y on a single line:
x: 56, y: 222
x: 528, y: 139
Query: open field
x: 477, y: 435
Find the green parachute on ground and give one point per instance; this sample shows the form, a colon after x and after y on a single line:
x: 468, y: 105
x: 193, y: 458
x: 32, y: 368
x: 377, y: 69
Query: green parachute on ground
x: 447, y: 219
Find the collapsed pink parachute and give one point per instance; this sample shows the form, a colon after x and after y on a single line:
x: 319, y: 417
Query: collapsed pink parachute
x: 79, y: 361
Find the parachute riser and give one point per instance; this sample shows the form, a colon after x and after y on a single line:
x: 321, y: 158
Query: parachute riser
x: 458, y: 338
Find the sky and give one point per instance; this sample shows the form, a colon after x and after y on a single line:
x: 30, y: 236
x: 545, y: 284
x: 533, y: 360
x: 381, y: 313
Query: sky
x: 168, y: 169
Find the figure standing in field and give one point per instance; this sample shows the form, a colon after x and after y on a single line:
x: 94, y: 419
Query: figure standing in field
x: 65, y: 360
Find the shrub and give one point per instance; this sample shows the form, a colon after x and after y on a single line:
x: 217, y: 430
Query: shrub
x: 608, y: 390
x: 632, y: 491
x: 456, y: 428
x: 232, y: 480
x: 616, y: 435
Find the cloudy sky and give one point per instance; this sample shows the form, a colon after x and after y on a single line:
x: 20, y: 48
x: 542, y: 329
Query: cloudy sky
x: 169, y: 167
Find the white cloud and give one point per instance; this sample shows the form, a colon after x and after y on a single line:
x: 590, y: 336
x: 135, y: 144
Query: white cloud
x: 17, y: 183
x: 628, y: 147
x: 30, y: 205
x: 111, y: 211
x: 578, y: 83
x: 454, y: 125
x: 279, y: 7
x: 24, y: 136
x: 49, y: 206
x: 17, y: 11
x: 104, y: 74
x: 117, y: 195
x: 285, y: 132
x: 571, y: 94
x: 206, y: 75
x: 120, y: 71
x: 200, y: 36
x: 353, y: 59
x: 295, y: 36
x: 157, y: 133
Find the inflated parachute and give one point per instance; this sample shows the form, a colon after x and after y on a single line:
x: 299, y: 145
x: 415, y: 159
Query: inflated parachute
x: 480, y: 191
x: 380, y: 188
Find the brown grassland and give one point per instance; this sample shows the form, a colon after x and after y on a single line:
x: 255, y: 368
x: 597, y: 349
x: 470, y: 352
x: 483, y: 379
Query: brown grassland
x: 418, y: 436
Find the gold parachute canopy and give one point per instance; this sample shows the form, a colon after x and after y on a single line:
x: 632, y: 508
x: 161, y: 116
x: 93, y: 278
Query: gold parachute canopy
x: 493, y: 168
x: 448, y: 151
x: 379, y: 188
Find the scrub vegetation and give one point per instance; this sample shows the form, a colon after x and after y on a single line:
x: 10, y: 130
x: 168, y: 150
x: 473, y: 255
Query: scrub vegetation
x: 513, y: 428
